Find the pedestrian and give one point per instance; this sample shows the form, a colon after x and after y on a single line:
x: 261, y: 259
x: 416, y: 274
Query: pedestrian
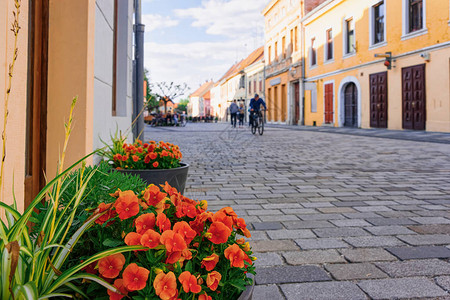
x: 175, y: 119
x: 233, y: 111
x: 241, y: 115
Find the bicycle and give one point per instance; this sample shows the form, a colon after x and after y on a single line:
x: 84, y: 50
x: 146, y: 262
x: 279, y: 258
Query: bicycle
x: 258, y: 123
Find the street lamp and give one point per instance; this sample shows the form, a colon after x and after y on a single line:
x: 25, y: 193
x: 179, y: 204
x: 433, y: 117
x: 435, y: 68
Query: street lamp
x: 388, y: 59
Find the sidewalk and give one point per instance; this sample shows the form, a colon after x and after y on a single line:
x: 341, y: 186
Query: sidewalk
x: 408, y: 135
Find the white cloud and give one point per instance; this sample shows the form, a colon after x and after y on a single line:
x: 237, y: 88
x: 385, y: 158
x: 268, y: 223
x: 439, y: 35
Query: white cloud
x: 153, y: 22
x: 230, y: 18
x: 193, y: 63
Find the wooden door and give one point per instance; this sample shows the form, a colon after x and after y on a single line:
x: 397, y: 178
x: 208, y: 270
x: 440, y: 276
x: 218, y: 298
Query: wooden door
x: 36, y: 131
x: 378, y: 100
x: 328, y: 103
x: 297, y: 102
x: 414, y: 97
x: 350, y: 105
x: 283, y: 103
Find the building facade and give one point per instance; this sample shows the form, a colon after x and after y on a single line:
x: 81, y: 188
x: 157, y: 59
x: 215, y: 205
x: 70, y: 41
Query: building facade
x: 65, y: 49
x: 378, y: 64
x: 200, y: 101
x: 283, y: 60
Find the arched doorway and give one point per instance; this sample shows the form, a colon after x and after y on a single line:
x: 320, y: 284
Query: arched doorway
x: 350, y: 105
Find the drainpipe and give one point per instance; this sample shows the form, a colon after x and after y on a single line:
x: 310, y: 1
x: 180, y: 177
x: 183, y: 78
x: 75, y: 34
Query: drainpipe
x: 303, y: 68
x: 139, y: 30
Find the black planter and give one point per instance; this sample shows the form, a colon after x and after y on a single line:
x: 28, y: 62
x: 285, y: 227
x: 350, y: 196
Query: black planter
x: 248, y: 293
x: 175, y: 177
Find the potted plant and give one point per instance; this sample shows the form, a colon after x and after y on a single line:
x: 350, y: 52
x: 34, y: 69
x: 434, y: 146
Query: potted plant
x: 154, y: 162
x: 190, y: 253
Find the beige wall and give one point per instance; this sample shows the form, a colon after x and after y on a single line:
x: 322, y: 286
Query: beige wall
x: 70, y: 74
x: 15, y: 131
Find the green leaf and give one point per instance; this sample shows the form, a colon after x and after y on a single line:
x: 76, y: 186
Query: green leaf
x: 112, y: 243
x: 28, y: 290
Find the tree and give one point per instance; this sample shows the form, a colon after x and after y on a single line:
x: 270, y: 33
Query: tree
x: 167, y: 92
x: 151, y: 101
x: 182, y: 105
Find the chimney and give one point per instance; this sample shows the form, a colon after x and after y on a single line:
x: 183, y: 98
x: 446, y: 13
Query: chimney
x: 311, y: 4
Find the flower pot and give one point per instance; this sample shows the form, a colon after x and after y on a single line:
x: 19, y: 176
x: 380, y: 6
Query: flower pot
x: 176, y: 177
x: 248, y: 293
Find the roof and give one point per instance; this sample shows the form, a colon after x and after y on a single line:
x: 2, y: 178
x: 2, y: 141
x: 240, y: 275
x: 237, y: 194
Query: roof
x: 207, y: 95
x: 255, y: 56
x: 204, y: 88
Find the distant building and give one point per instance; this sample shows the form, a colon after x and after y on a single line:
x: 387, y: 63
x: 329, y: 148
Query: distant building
x: 200, y: 100
x: 283, y: 60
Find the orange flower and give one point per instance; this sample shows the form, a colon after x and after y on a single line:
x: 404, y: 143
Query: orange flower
x: 199, y: 223
x: 127, y: 205
x: 145, y: 222
x: 189, y: 282
x: 173, y: 257
x: 110, y: 266
x: 220, y: 216
x: 210, y: 262
x: 118, y: 283
x: 235, y: 255
x: 150, y: 239
x: 204, y: 297
x: 165, y: 285
x: 219, y: 233
x: 153, y: 155
x: 155, y: 164
x: 162, y: 222
x: 173, y: 241
x: 170, y: 190
x: 185, y: 230
x: 240, y: 224
x: 139, y: 149
x: 133, y: 239
x: 213, y: 279
x: 135, y: 158
x: 147, y: 159
x: 153, y: 195
x: 186, y: 254
x: 108, y: 215
x: 135, y: 277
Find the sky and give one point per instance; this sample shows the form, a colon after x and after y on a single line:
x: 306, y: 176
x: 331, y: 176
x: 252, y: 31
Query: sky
x: 192, y: 41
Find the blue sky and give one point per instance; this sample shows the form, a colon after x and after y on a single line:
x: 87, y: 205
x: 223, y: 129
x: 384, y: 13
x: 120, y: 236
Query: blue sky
x: 197, y: 40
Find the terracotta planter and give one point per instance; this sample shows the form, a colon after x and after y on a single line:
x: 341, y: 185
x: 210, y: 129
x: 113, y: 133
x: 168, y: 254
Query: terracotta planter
x: 248, y: 293
x: 175, y: 177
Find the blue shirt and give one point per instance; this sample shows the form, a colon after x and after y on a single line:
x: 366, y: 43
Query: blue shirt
x: 256, y: 104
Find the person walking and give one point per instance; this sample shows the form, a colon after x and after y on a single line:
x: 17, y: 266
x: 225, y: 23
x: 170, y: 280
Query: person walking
x: 241, y: 115
x: 233, y: 111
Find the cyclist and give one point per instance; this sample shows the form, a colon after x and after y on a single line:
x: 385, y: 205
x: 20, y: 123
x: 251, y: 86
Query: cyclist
x: 255, y: 107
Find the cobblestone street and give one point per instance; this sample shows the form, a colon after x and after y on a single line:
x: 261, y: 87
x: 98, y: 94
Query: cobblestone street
x: 333, y: 216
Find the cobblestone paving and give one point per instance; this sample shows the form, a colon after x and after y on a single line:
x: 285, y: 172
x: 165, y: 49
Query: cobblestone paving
x: 334, y: 216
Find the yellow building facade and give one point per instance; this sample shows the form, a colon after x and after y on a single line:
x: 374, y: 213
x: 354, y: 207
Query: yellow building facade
x: 282, y: 56
x: 378, y: 64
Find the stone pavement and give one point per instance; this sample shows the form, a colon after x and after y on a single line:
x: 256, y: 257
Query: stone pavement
x: 333, y: 216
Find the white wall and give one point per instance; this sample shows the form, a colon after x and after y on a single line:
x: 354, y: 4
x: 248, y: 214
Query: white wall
x: 105, y: 124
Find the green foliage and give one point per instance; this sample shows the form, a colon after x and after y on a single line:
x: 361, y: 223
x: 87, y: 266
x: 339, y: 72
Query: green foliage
x: 182, y: 105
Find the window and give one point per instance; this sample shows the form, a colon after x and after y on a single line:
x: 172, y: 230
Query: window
x: 276, y: 50
x: 349, y: 36
x: 329, y: 45
x: 270, y: 54
x: 283, y: 47
x: 313, y: 52
x: 378, y: 23
x: 254, y: 84
x: 260, y: 84
x: 295, y: 39
x: 242, y: 82
x: 291, y: 44
x: 415, y: 8
x: 249, y: 87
